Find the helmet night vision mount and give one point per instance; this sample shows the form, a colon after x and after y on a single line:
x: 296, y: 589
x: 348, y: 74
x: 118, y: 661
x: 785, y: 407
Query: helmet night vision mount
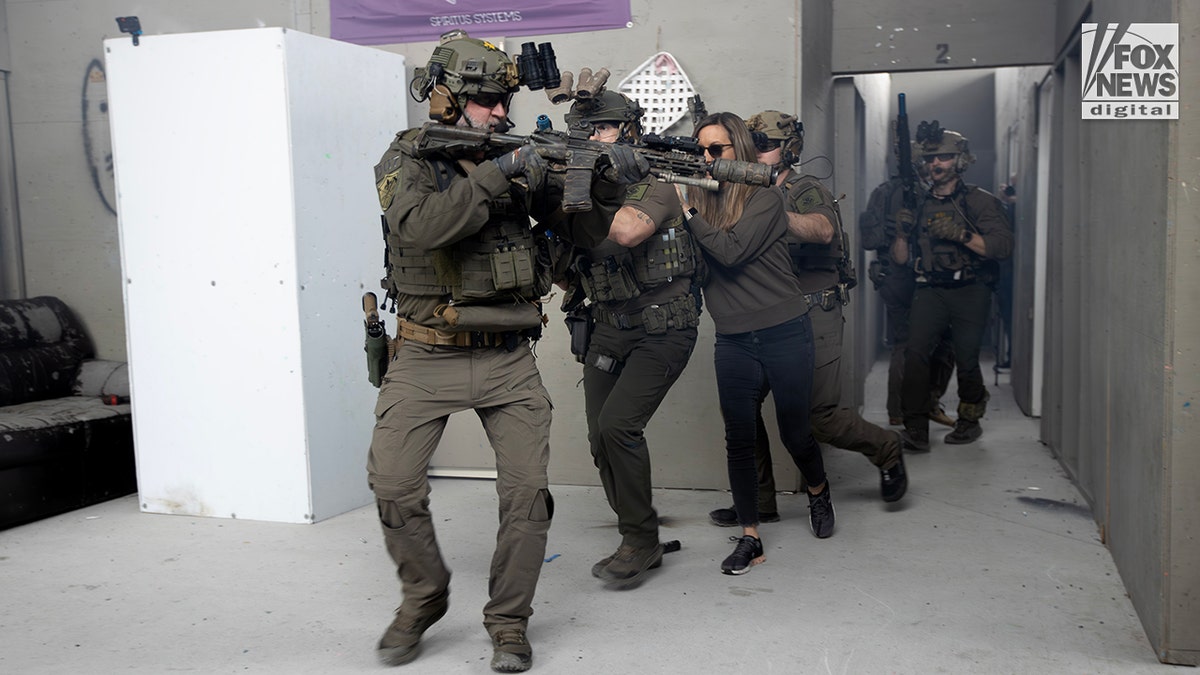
x: 461, y: 67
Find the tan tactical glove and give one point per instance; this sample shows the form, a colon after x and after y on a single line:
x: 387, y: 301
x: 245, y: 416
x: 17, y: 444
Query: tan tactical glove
x: 944, y: 227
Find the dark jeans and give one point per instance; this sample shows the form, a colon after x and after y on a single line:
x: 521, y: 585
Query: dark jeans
x: 780, y: 357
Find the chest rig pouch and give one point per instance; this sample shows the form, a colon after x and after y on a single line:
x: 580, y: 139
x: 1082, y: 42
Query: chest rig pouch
x: 612, y: 273
x: 608, y: 278
x: 943, y: 261
x: 503, y: 259
x: 670, y: 253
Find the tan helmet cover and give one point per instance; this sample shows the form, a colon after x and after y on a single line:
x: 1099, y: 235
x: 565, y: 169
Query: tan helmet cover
x: 782, y: 127
x: 950, y: 142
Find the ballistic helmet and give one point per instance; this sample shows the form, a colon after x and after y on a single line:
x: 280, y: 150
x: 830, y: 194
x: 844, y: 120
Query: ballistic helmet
x: 609, y: 106
x: 770, y: 127
x: 461, y: 67
x: 932, y: 140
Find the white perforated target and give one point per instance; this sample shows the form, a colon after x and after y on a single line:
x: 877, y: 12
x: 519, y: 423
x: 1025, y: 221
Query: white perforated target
x: 662, y: 88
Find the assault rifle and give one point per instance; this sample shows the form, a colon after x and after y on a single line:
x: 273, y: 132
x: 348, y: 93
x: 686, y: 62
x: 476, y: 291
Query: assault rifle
x: 908, y: 177
x: 672, y: 159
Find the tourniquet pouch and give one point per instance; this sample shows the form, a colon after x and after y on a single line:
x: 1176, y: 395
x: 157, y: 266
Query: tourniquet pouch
x: 491, y: 318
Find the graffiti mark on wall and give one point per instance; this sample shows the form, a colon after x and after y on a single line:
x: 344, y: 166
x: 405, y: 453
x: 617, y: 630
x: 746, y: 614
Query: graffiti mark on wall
x: 97, y: 139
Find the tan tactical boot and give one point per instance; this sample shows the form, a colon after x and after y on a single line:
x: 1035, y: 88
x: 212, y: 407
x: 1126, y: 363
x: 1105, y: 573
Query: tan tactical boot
x: 511, y: 652
x: 939, y: 415
x: 629, y: 566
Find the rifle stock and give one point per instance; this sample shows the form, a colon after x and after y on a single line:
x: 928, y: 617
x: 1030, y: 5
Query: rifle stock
x: 672, y: 159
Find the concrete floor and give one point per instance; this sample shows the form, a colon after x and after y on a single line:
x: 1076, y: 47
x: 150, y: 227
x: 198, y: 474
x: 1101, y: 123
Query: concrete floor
x: 991, y: 564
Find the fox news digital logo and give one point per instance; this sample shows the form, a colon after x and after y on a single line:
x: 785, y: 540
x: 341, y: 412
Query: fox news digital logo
x: 1130, y: 71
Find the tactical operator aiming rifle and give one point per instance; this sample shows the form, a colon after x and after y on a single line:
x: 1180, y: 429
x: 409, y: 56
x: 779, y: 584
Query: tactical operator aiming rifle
x: 672, y: 159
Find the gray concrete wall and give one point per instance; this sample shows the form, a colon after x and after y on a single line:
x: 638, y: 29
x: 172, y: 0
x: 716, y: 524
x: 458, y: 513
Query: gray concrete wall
x: 1121, y: 376
x: 1016, y: 131
x: 1181, y: 635
x: 935, y: 35
x: 874, y: 167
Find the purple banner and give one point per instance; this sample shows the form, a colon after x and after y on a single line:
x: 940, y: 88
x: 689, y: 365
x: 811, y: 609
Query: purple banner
x: 377, y: 22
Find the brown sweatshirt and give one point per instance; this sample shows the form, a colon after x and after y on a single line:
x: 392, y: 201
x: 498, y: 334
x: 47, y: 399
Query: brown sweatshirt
x: 750, y: 285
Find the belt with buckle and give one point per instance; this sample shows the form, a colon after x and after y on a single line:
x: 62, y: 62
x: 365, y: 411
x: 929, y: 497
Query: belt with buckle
x: 431, y: 336
x: 826, y: 299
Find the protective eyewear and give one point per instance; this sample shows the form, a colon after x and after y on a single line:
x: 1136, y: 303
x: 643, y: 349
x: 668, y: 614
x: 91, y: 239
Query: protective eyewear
x: 489, y: 100
x: 943, y: 157
x: 716, y: 149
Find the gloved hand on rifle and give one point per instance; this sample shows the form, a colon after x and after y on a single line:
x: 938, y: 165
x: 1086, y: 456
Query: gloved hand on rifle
x: 944, y: 227
x: 906, y: 221
x: 524, y: 161
x: 626, y: 166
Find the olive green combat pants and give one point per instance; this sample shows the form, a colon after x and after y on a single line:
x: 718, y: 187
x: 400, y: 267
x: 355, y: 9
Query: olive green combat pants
x: 831, y: 423
x: 422, y: 387
x: 965, y: 310
x: 619, y: 405
x: 897, y: 291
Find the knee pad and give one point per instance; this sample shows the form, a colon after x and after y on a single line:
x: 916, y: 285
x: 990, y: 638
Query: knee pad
x: 390, y: 513
x: 973, y: 412
x: 397, y: 506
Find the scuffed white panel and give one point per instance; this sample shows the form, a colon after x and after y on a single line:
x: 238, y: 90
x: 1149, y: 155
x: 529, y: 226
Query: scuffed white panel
x: 243, y: 257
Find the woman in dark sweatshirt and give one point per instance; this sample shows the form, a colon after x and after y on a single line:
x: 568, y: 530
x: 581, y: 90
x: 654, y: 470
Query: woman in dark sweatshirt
x: 764, y: 338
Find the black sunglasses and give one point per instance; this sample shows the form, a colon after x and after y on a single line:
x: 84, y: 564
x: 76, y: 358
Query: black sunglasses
x: 489, y: 99
x: 716, y: 149
x: 945, y: 157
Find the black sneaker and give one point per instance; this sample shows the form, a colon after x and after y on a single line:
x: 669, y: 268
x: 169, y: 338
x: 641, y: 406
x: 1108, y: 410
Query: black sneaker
x: 915, y: 440
x: 965, y: 431
x: 893, y: 482
x: 402, y: 641
x: 820, y: 513
x: 728, y: 517
x: 511, y: 652
x: 747, y: 553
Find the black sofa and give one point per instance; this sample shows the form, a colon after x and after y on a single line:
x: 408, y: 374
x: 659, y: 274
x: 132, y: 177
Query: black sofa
x: 66, y: 430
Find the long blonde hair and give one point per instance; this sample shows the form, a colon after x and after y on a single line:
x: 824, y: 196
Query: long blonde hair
x: 724, y: 208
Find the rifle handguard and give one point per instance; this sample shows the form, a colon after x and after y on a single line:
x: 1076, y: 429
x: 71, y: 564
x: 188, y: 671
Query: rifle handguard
x: 738, y: 171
